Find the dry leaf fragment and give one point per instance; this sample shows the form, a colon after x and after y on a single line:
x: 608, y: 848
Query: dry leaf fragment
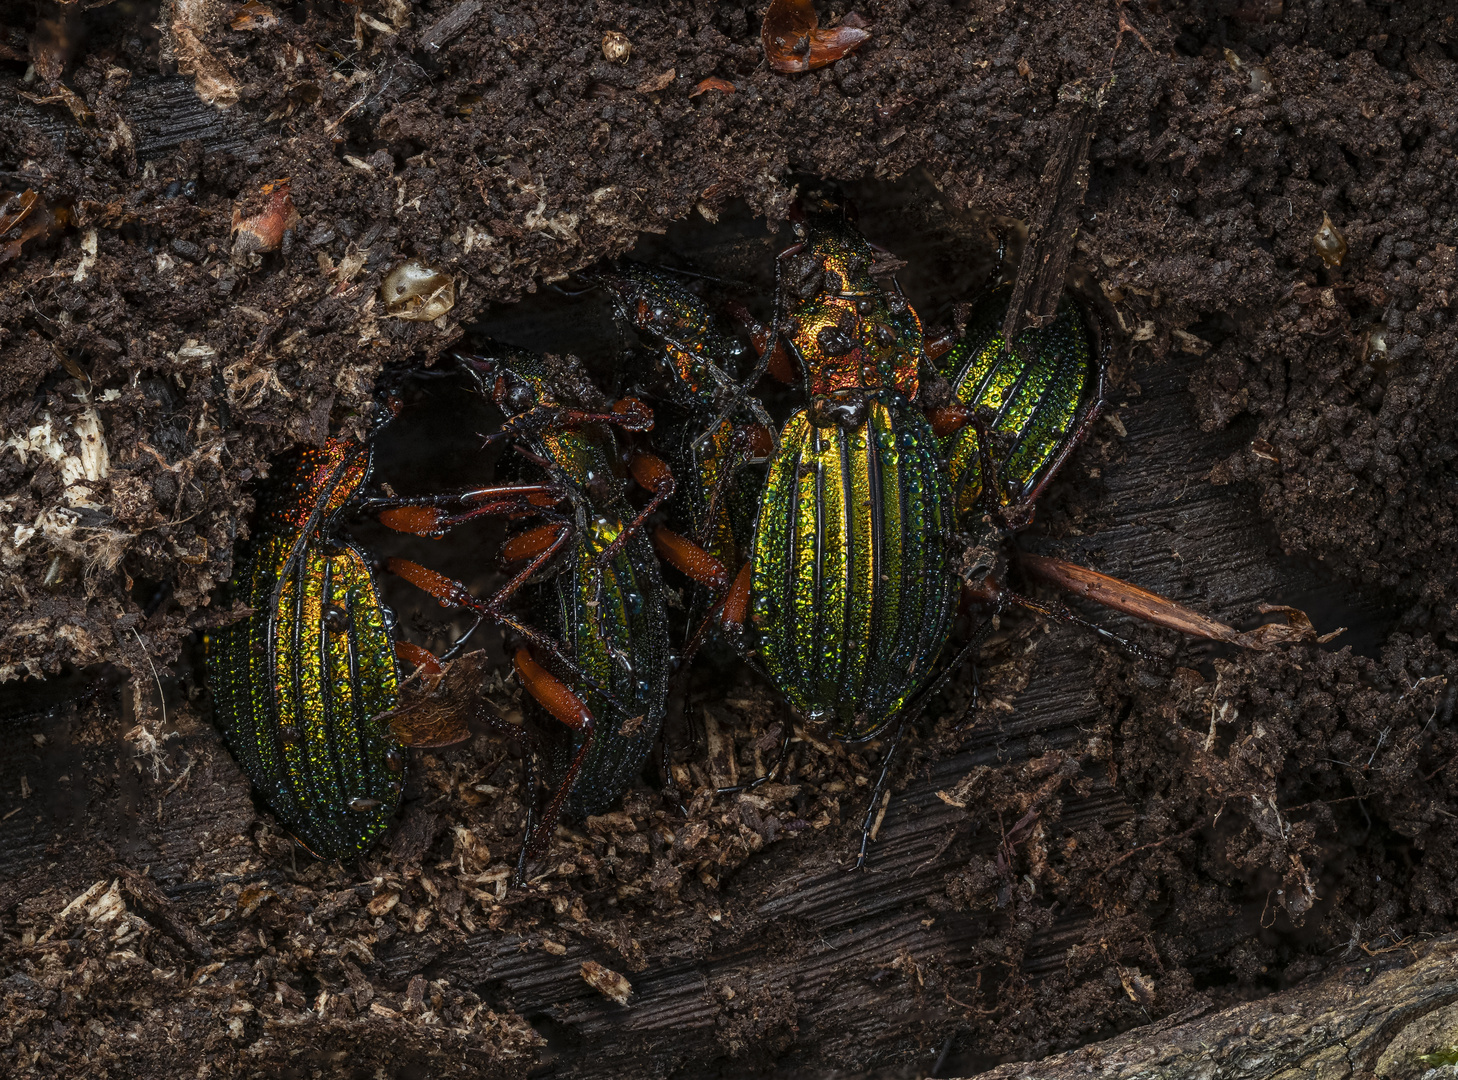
x: 383, y: 902
x: 254, y: 16
x: 264, y: 230
x: 607, y: 982
x: 441, y: 706
x: 73, y: 101
x: 793, y: 40
x: 1264, y: 450
x: 712, y: 83
x: 187, y: 23
x: 23, y: 217
x: 252, y: 897
x: 657, y: 82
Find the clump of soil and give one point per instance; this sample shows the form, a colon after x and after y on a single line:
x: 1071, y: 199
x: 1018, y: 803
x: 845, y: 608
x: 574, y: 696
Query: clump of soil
x: 1115, y: 839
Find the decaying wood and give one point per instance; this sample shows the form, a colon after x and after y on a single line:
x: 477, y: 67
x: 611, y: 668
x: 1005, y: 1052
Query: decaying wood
x: 829, y: 957
x: 1039, y: 283
x: 1368, y: 1019
x: 149, y: 820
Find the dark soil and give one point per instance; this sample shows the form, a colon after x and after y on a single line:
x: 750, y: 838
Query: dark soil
x: 1118, y: 838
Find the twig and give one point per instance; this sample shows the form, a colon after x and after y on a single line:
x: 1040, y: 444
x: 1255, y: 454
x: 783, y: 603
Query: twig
x: 161, y: 696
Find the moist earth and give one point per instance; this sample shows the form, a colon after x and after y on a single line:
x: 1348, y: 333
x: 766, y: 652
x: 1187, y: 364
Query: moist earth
x: 1115, y: 839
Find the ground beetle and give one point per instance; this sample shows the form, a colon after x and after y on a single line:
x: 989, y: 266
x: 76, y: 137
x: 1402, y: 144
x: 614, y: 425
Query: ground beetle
x: 600, y: 664
x: 300, y: 686
x: 884, y: 508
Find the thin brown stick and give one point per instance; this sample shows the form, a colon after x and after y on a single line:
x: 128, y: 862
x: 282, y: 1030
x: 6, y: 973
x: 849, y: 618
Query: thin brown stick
x: 1122, y: 596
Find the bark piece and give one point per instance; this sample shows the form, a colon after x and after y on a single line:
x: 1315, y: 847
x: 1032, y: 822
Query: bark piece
x: 1396, y: 1025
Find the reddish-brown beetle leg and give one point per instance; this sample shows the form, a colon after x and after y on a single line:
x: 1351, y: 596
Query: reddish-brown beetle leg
x: 417, y: 520
x: 736, y: 604
x: 949, y: 419
x: 755, y: 441
x: 632, y: 415
x: 780, y: 368
x: 554, y: 696
x: 551, y: 692
x: 985, y: 593
x: 449, y: 592
x: 422, y: 659
x: 429, y: 517
x: 938, y: 344
x: 653, y: 474
x: 650, y: 471
x: 689, y: 558
x: 533, y: 542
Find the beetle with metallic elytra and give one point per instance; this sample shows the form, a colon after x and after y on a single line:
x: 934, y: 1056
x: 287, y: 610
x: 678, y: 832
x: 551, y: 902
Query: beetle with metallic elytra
x: 883, y: 509
x: 300, y: 686
x: 588, y: 567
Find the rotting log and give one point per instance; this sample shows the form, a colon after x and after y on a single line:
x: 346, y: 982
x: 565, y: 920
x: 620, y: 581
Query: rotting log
x: 809, y: 950
x: 797, y: 964
x: 1392, y: 1016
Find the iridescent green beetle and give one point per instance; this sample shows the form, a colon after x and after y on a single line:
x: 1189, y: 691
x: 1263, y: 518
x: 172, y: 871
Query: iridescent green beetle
x: 850, y: 589
x: 605, y: 604
x: 1019, y: 412
x: 588, y: 571
x: 301, y: 685
x: 717, y: 497
x: 847, y: 596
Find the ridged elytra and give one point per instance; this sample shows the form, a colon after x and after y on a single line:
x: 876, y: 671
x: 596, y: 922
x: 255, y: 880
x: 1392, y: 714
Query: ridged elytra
x: 847, y: 599
x: 851, y: 579
x: 300, y: 685
x: 609, y: 615
x: 594, y: 658
x: 1027, y: 399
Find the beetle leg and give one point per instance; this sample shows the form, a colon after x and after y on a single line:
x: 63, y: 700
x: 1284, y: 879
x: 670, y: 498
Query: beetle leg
x: 551, y: 692
x: 429, y: 516
x: 908, y: 716
x: 630, y: 414
x: 690, y: 559
x: 988, y: 495
x: 652, y: 473
x: 949, y: 419
x: 939, y: 344
x: 779, y: 367
x: 460, y: 642
x: 532, y: 781
x: 421, y: 659
x: 451, y: 593
x: 736, y: 603
x: 533, y: 542
x: 870, y: 824
x: 567, y: 708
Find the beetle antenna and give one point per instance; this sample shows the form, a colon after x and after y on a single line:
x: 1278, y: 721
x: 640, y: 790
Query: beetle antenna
x: 761, y: 365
